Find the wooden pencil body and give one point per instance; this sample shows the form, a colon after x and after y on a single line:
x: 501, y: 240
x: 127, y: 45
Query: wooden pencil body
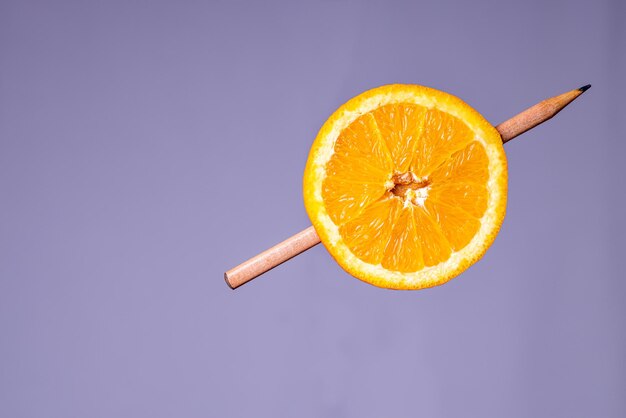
x: 271, y: 258
x: 308, y: 238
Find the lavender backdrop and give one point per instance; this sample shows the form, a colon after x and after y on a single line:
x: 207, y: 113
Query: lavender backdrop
x: 146, y: 147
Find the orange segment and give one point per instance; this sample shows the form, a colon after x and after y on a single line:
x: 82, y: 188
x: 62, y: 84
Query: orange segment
x: 406, y: 186
x: 345, y: 199
x: 470, y: 197
x: 457, y: 226
x: 461, y: 181
x: 400, y: 126
x: 367, y: 236
x: 359, y: 147
x: 404, y: 252
x: 357, y: 171
x: 435, y: 246
x: 443, y: 134
x: 467, y: 165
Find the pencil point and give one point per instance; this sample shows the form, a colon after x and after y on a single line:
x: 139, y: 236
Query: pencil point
x: 585, y: 88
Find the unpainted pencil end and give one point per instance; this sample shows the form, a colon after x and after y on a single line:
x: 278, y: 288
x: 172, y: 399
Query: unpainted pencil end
x: 585, y: 88
x: 228, y: 282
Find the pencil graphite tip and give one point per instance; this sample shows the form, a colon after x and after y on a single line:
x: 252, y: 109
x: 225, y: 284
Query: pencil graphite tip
x: 585, y: 88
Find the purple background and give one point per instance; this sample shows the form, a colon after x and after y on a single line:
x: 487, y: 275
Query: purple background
x: 146, y: 147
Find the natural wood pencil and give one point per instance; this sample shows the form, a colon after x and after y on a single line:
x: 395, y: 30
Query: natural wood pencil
x: 308, y: 238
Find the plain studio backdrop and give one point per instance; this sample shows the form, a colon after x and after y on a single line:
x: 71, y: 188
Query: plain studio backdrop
x: 147, y: 147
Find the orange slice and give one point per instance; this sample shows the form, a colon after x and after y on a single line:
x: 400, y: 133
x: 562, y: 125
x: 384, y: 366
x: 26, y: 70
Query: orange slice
x: 406, y: 186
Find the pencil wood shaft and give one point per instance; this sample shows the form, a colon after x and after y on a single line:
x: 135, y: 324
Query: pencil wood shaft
x: 308, y: 238
x: 271, y: 258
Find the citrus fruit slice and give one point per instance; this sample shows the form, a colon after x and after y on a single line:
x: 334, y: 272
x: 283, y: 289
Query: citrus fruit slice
x: 406, y: 186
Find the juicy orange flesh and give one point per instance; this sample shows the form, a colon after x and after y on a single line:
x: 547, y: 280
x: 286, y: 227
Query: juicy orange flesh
x: 443, y: 193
